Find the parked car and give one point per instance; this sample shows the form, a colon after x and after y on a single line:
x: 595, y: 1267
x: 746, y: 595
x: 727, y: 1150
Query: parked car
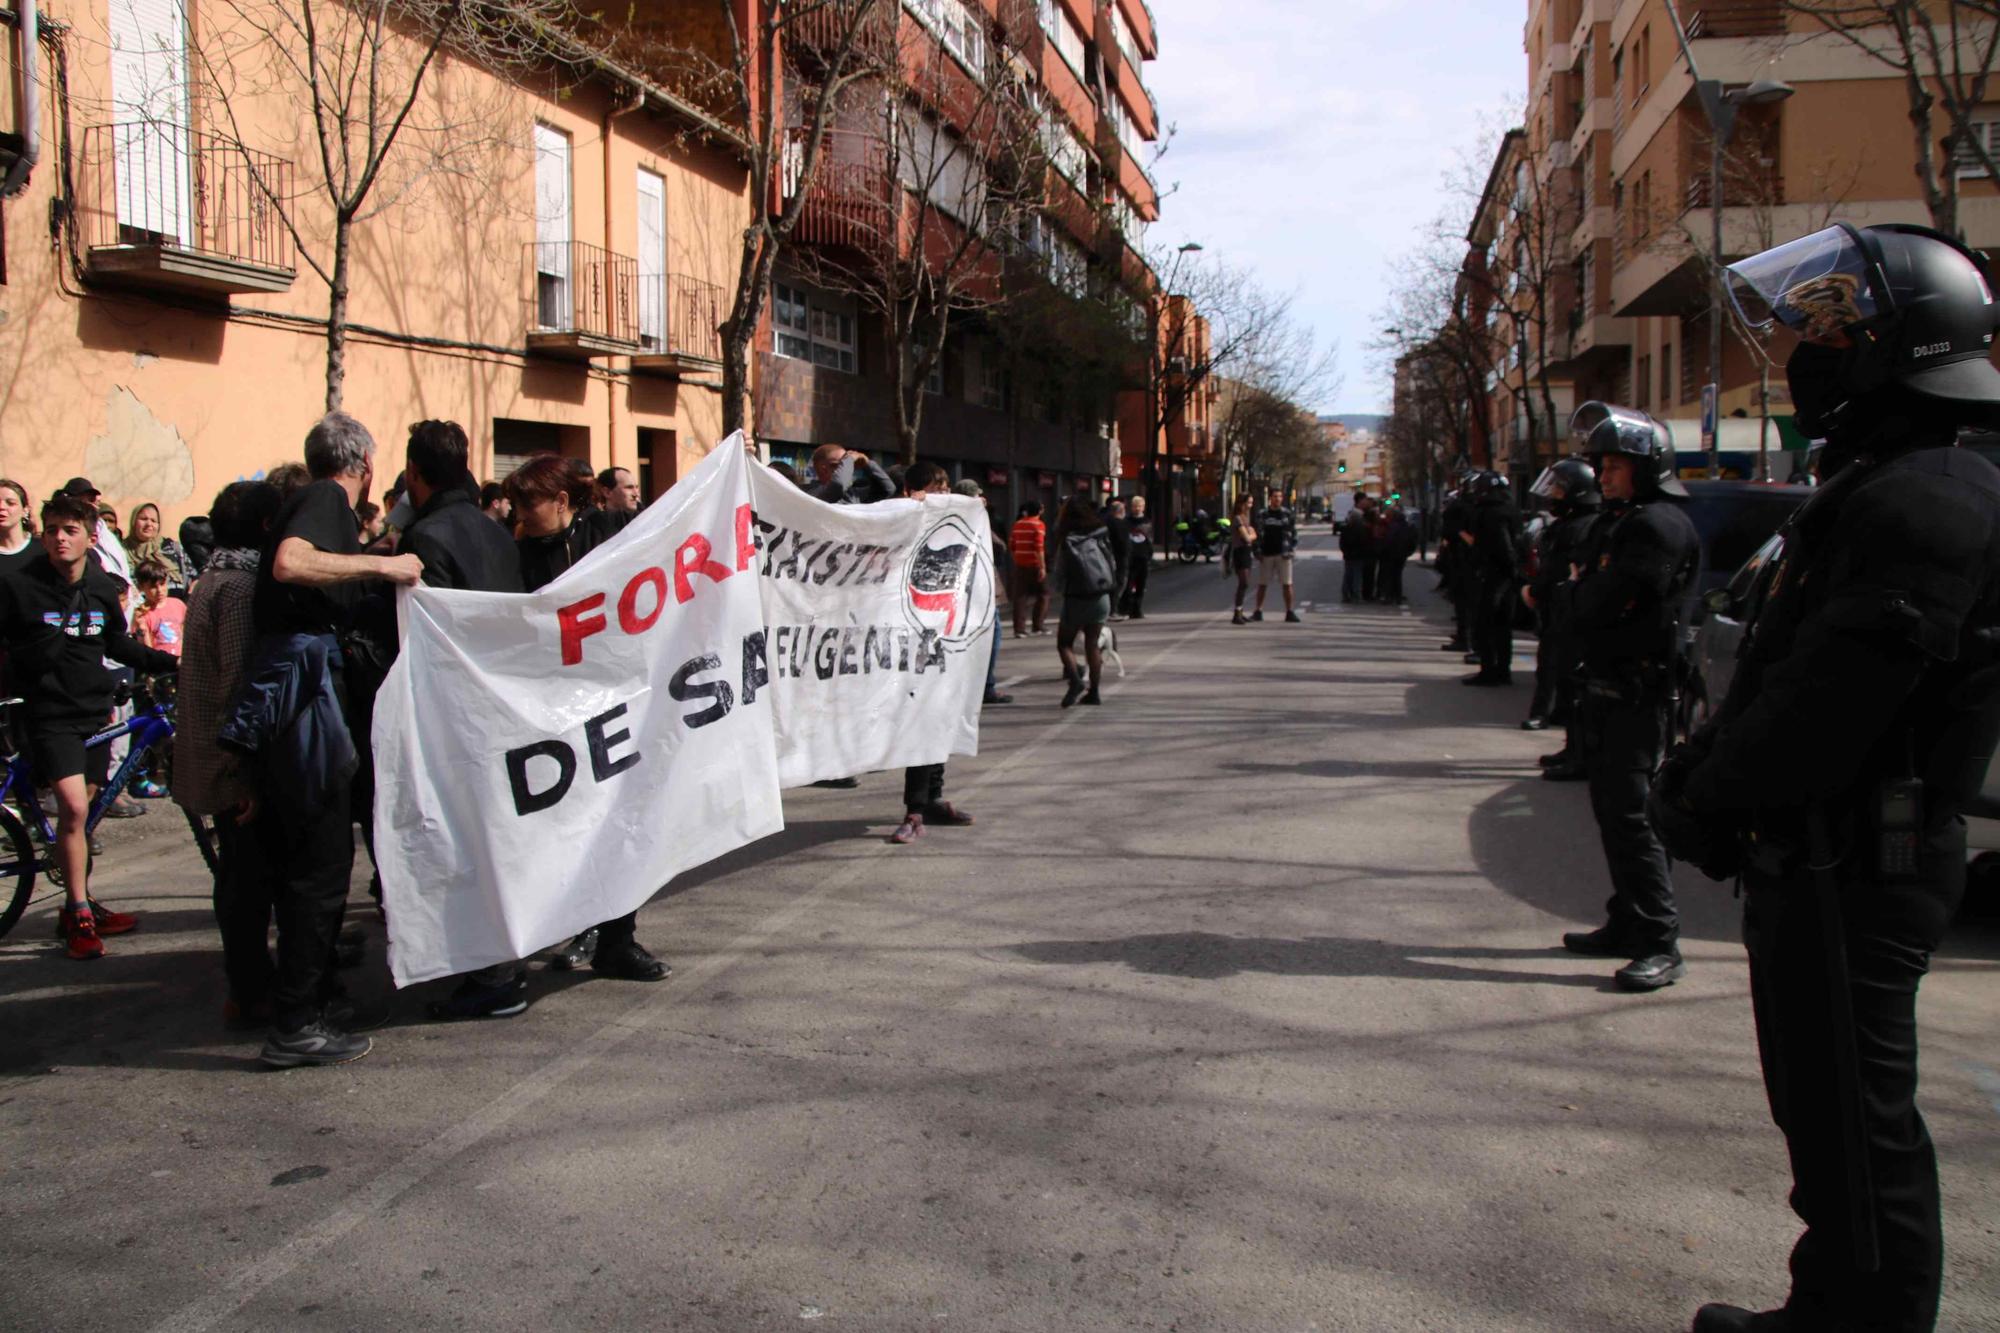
x: 1734, y: 519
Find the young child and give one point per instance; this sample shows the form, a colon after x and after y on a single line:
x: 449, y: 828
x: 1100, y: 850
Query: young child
x: 60, y: 619
x: 161, y: 617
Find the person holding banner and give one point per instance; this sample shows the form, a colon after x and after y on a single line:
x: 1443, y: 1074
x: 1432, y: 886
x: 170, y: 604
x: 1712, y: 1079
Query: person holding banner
x: 923, y: 784
x: 551, y: 541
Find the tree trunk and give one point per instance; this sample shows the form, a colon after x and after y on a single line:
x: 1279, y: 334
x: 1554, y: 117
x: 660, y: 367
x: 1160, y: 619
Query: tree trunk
x: 336, y: 315
x: 739, y: 331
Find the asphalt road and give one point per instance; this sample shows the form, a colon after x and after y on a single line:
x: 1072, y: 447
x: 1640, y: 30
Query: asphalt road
x: 1238, y: 1009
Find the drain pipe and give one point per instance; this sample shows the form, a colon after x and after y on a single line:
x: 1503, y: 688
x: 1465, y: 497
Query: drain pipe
x: 28, y: 26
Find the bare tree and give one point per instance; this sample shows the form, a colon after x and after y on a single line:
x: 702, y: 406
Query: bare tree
x: 954, y: 149
x: 1274, y: 375
x: 1944, y: 52
x: 377, y: 122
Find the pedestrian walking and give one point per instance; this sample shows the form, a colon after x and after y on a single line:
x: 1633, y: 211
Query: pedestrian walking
x: 1277, y: 538
x: 1629, y: 613
x: 1855, y: 731
x: 1121, y: 537
x: 1086, y: 563
x: 1028, y: 544
x: 1240, y: 556
x: 1139, y: 532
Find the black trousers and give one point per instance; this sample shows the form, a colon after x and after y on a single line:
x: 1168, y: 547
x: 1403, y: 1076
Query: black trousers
x: 1493, y: 626
x: 1890, y: 931
x: 1371, y: 568
x: 245, y: 880
x: 1135, y: 588
x: 1622, y: 746
x: 1550, y: 667
x: 1391, y: 579
x: 313, y: 851
x: 923, y: 786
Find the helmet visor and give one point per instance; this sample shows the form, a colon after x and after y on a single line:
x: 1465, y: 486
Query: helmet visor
x: 1549, y: 486
x: 1632, y: 424
x: 1819, y: 286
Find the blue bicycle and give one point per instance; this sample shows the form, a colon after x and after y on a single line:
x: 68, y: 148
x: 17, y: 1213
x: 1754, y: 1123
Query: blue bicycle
x: 27, y: 848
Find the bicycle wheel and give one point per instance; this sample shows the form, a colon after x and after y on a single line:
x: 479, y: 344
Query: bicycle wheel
x: 1187, y: 555
x: 18, y: 863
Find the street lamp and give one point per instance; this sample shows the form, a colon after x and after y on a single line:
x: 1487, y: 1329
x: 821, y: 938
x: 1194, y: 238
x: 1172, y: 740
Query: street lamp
x: 1721, y: 105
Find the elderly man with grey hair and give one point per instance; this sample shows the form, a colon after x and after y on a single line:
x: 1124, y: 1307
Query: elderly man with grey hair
x: 292, y: 722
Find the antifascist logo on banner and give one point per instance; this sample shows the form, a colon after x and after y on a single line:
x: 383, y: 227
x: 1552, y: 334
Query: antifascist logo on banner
x: 948, y: 588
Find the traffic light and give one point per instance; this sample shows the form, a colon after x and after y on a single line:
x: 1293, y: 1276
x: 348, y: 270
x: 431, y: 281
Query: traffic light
x: 1341, y: 467
x: 1395, y: 495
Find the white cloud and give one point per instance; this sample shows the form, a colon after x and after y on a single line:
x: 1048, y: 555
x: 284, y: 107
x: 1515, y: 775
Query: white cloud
x: 1313, y: 136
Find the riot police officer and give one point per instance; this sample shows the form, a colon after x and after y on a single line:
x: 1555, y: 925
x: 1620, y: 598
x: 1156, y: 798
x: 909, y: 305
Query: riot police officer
x: 1627, y: 613
x: 1570, y: 487
x: 1453, y: 568
x: 1858, y: 724
x: 1492, y: 547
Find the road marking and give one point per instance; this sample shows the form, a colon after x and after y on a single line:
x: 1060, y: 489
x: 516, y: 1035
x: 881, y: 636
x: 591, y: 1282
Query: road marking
x: 236, y: 1292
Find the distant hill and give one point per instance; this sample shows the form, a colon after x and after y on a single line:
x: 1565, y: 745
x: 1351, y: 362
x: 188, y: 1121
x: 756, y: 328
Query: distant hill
x: 1358, y: 420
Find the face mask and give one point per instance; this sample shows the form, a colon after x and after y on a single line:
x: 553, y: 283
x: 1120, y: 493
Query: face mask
x: 1817, y: 376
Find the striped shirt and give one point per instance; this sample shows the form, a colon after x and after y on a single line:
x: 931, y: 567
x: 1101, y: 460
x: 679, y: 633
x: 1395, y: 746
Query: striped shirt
x: 1028, y: 542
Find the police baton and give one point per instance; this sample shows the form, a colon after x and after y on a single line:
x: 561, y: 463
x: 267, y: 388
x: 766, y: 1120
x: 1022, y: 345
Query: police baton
x: 1846, y: 1053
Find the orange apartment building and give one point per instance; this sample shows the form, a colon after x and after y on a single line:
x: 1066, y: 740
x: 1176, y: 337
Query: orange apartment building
x: 1615, y: 128
x: 556, y: 289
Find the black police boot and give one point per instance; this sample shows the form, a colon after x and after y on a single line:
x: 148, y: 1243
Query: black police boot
x: 1536, y: 723
x: 1736, y: 1319
x: 1486, y: 678
x: 1568, y: 771
x: 1562, y: 756
x: 576, y: 953
x: 1651, y: 972
x: 628, y: 960
x: 1473, y: 659
x: 1604, y: 942
x: 1455, y: 646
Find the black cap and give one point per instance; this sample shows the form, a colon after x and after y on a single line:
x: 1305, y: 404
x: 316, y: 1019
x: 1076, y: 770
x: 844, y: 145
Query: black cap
x: 80, y: 486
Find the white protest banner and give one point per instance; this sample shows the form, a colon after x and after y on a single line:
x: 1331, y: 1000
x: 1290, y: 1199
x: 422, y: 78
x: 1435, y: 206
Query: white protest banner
x: 546, y: 762
x: 878, y: 622
x: 549, y: 761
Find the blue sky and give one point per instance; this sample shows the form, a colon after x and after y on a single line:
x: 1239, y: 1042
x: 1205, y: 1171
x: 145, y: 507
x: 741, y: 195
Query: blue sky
x: 1313, y: 136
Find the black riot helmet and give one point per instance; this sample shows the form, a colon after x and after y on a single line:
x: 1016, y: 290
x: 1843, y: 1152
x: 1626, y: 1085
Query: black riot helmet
x: 1570, y: 486
x: 1602, y: 429
x: 1877, y: 310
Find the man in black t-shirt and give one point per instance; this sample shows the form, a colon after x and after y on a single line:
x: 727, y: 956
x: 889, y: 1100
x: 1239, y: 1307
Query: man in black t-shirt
x: 1277, y: 538
x: 310, y: 583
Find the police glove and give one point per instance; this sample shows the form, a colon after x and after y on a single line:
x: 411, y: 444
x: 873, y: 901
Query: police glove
x: 1708, y: 844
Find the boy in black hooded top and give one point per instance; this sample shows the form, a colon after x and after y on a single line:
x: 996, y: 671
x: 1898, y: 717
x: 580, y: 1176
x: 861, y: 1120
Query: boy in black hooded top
x: 60, y: 618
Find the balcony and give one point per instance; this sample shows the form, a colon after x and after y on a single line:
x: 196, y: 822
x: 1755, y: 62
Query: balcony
x: 819, y: 32
x: 1737, y: 18
x: 850, y: 200
x: 163, y: 207
x: 680, y: 323
x: 583, y: 301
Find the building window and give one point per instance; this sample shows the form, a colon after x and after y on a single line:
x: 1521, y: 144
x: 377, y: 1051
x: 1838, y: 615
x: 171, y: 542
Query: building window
x: 1065, y: 149
x: 552, y: 228
x: 957, y: 26
x: 1121, y: 33
x: 1062, y: 31
x: 809, y: 330
x: 1965, y: 159
x: 992, y: 382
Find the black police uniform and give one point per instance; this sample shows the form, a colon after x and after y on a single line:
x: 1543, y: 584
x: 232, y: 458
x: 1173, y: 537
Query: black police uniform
x: 1561, y: 545
x: 1494, y: 563
x: 1454, y: 569
x: 1871, y: 664
x: 1627, y: 615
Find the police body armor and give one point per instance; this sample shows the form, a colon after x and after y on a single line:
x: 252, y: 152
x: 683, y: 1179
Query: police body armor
x: 1629, y: 611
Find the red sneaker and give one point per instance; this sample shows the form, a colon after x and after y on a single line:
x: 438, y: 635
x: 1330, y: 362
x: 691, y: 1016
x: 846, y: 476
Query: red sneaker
x: 909, y: 830
x: 81, y: 935
x: 108, y: 921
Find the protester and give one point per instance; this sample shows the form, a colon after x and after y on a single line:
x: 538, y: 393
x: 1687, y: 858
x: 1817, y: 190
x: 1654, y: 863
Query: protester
x: 292, y: 721
x: 289, y: 479
x: 1121, y: 538
x: 493, y: 503
x: 160, y: 618
x: 197, y: 541
x: 208, y: 780
x: 1002, y: 566
x: 1139, y: 532
x: 620, y: 490
x: 461, y: 549
x: 1277, y: 538
x: 60, y: 617
x: 923, y: 785
x: 17, y: 545
x: 845, y: 476
x: 1087, y: 560
x: 374, y: 526
x: 1242, y: 554
x: 1399, y: 543
x: 1027, y: 543
x: 148, y: 543
x: 552, y: 538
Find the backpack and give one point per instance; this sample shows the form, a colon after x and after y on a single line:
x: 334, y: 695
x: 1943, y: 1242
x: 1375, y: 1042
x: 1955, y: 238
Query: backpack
x: 1087, y: 568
